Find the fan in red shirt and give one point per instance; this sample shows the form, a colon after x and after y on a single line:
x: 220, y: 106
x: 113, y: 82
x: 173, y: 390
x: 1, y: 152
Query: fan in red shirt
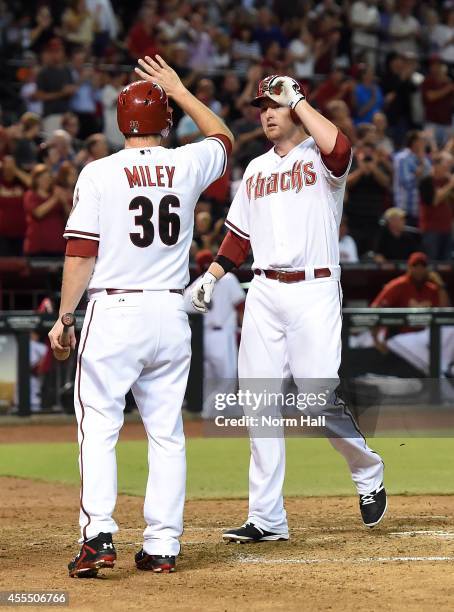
x: 418, y: 288
x: 438, y: 90
x: 13, y: 183
x: 437, y: 208
x: 47, y: 209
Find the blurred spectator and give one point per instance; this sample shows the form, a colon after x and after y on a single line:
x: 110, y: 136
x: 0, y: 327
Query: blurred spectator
x: 206, y: 233
x: 410, y: 166
x: 303, y: 52
x: 26, y: 147
x: 43, y: 31
x: 267, y: 31
x: 13, y: 184
x: 228, y: 97
x: 368, y: 183
x: 394, y: 243
x: 437, y: 212
x: 399, y: 89
x: 29, y: 89
x: 348, y: 253
x: 66, y: 179
x: 78, y: 24
x: 83, y: 102
x: 338, y: 112
x: 114, y: 82
x: 57, y: 150
x: 222, y: 52
x: 97, y: 148
x: 383, y: 141
x: 365, y: 24
x: 106, y: 25
x: 404, y: 29
x: 335, y: 87
x: 438, y: 96
x: 55, y: 85
x: 274, y: 61
x: 368, y: 96
x: 70, y: 124
x: 201, y: 48
x: 142, y: 37
x: 445, y: 37
x: 328, y: 32
x: 245, y: 51
x: 250, y: 141
x: 46, y: 209
x: 187, y: 131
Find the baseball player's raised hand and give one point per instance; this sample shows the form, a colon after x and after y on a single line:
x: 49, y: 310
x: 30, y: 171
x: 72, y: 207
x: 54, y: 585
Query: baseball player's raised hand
x: 285, y: 91
x: 202, y: 292
x: 158, y: 71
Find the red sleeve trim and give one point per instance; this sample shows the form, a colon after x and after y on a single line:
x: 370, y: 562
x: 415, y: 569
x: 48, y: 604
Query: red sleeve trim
x: 236, y: 229
x: 225, y: 141
x: 235, y: 248
x: 82, y: 247
x: 337, y: 161
x: 69, y: 233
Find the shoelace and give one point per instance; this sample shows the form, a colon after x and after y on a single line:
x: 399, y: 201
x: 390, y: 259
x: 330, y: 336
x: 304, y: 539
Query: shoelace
x: 254, y: 526
x: 369, y: 498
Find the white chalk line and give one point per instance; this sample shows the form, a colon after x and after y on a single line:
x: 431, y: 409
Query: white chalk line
x: 340, y: 560
x: 444, y: 535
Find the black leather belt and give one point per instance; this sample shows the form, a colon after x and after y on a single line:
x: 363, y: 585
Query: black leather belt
x: 115, y: 291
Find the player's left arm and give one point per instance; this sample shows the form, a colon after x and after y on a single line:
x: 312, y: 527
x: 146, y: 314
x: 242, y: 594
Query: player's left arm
x: 77, y: 272
x: 335, y: 148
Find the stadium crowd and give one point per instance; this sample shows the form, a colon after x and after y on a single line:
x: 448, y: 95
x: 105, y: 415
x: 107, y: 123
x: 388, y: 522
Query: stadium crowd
x: 382, y: 70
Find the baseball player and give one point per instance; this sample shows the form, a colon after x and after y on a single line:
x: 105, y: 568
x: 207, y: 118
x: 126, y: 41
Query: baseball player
x: 220, y: 348
x: 129, y: 236
x: 418, y: 288
x: 288, y: 209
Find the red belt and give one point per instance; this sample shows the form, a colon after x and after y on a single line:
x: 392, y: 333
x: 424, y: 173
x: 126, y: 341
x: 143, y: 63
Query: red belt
x: 292, y: 277
x: 115, y: 291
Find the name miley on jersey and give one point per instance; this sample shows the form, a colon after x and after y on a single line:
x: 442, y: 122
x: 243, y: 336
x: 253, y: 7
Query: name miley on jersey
x: 150, y: 176
x: 300, y: 174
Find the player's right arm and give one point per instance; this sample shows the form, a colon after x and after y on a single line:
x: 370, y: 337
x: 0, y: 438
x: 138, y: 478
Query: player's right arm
x: 158, y: 71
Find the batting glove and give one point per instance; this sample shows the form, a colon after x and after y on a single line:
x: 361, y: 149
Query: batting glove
x: 285, y: 91
x: 202, y: 292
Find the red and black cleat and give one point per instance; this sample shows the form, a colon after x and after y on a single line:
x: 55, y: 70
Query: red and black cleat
x: 95, y: 553
x: 161, y: 564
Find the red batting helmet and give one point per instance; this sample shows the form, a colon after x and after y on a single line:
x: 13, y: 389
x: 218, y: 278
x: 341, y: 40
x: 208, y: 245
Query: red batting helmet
x: 262, y: 87
x: 143, y: 109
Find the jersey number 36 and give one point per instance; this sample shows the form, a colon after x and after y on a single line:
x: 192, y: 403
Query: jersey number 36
x: 168, y: 222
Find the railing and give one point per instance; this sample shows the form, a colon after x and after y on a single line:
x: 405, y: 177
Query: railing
x: 21, y: 323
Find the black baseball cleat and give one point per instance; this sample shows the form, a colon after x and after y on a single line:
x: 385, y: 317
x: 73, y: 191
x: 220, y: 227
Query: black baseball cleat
x: 373, y: 506
x: 160, y: 564
x: 250, y: 533
x: 95, y: 553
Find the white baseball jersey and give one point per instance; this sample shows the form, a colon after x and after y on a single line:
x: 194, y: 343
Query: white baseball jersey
x: 290, y: 209
x: 139, y: 204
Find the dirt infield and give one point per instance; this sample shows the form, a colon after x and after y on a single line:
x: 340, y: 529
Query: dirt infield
x: 330, y: 563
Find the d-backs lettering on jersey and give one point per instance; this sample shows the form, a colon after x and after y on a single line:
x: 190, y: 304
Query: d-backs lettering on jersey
x: 290, y: 209
x: 139, y: 204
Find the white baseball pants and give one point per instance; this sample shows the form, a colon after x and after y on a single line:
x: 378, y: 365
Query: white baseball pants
x: 295, y: 329
x: 138, y: 341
